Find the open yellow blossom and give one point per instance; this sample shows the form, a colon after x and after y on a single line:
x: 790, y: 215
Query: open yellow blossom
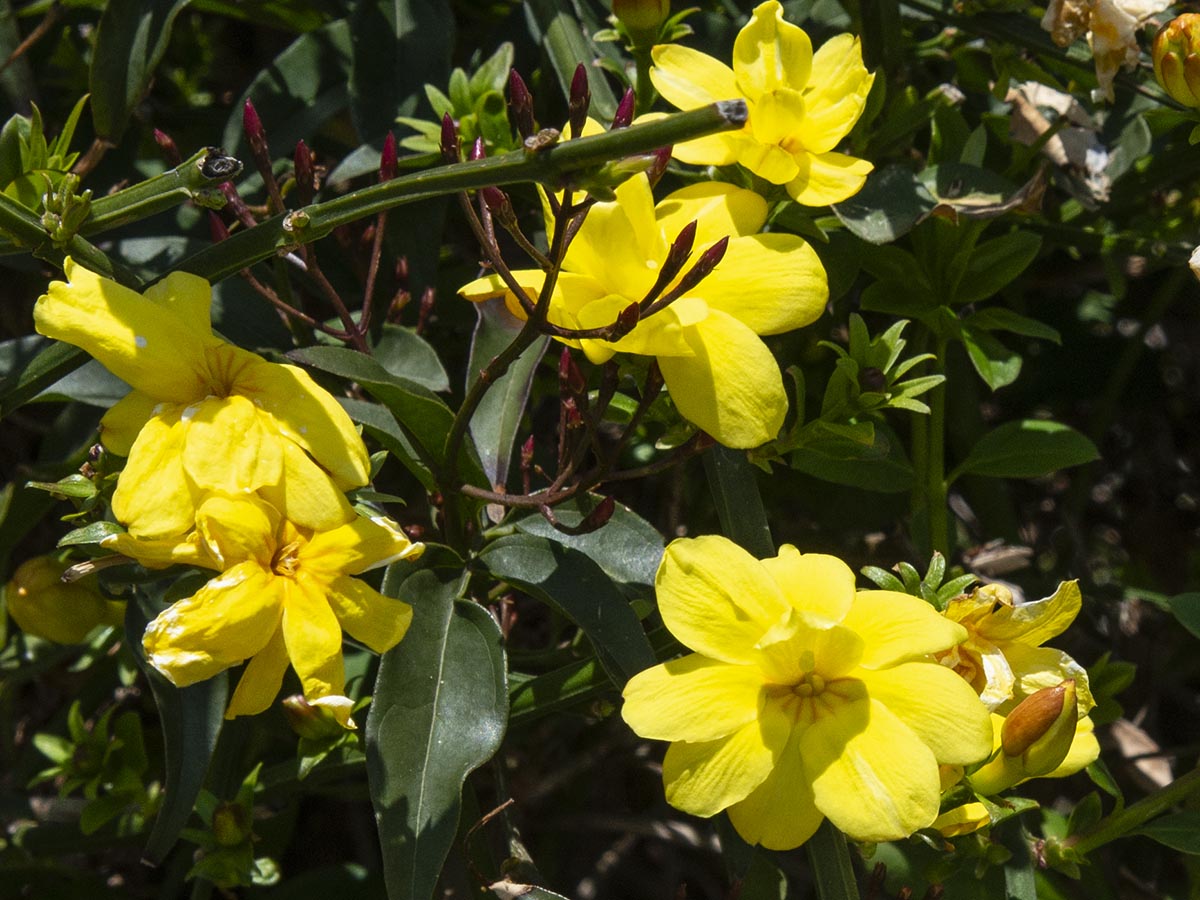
x: 284, y: 594
x: 804, y: 699
x: 720, y: 375
x: 1003, y: 657
x: 801, y: 105
x: 204, y: 415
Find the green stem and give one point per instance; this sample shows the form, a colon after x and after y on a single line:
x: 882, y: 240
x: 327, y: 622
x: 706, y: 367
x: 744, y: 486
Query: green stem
x: 644, y: 88
x: 731, y: 478
x: 1121, y: 823
x: 935, y: 464
x: 23, y: 226
x: 551, y: 167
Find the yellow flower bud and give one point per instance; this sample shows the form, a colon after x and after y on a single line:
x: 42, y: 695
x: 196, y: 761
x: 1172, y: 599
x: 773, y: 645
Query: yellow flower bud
x: 1041, y: 728
x: 1176, y: 55
x: 641, y: 15
x: 43, y: 605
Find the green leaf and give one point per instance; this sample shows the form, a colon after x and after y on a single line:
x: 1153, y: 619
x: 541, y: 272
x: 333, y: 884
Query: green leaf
x: 423, y: 417
x: 405, y: 353
x: 1027, y: 448
x: 302, y: 88
x: 567, y: 44
x: 532, y: 698
x: 492, y: 74
x: 1000, y: 318
x: 892, y: 201
x: 439, y: 712
x: 876, y: 464
x: 398, y: 46
x: 996, y: 364
x: 627, y: 548
x: 130, y: 42
x: 31, y: 376
x: 381, y: 426
x: 191, y: 720
x: 1179, y: 831
x: 575, y: 585
x: 1186, y: 608
x: 498, y: 416
x: 995, y: 264
x: 90, y: 534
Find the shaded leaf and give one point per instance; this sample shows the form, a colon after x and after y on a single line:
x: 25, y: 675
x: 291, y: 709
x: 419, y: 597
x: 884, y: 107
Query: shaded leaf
x: 576, y: 586
x: 877, y: 463
x: 996, y: 364
x: 1186, y: 608
x: 439, y: 712
x: 1028, y: 448
x: 405, y: 353
x: 1000, y: 318
x: 891, y: 202
x: 33, y: 375
x: 995, y: 264
x: 1179, y: 831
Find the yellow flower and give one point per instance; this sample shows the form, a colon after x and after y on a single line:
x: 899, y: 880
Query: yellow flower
x: 284, y: 594
x: 804, y: 699
x: 801, y: 105
x: 720, y: 375
x: 1003, y: 657
x: 962, y: 819
x: 44, y: 605
x: 204, y: 415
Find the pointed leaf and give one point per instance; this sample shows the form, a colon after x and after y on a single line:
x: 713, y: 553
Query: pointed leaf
x: 439, y: 712
x: 576, y: 586
x: 995, y: 363
x: 891, y: 202
x: 1028, y: 448
x: 1179, y: 831
x: 405, y: 353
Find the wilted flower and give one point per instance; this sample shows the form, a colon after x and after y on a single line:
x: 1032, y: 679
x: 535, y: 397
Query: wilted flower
x: 1111, y: 27
x: 204, y: 415
x: 721, y: 376
x: 801, y: 105
x: 284, y: 594
x: 1003, y: 657
x: 804, y: 699
x: 46, y: 606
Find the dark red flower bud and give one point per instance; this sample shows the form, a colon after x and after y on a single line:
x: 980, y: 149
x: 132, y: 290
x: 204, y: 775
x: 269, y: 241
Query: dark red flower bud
x: 624, y: 114
x: 477, y: 150
x: 662, y: 158
x: 305, y: 176
x: 627, y: 320
x: 570, y: 379
x: 167, y: 145
x: 449, y: 140
x: 527, y: 452
x: 387, y: 158
x: 579, y: 100
x: 252, y: 124
x: 217, y: 227
x: 520, y: 105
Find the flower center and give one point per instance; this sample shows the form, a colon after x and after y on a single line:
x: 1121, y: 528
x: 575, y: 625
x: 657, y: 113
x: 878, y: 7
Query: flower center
x: 810, y: 685
x: 287, y: 560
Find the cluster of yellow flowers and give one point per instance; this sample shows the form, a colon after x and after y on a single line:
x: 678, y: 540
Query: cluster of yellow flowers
x: 238, y: 465
x: 806, y: 699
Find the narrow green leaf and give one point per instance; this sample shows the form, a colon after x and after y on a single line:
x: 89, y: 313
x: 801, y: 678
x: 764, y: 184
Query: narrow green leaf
x: 382, y: 427
x: 576, y: 586
x: 130, y: 42
x: 1028, y: 448
x: 879, y: 465
x: 532, y: 698
x: 995, y: 264
x: 29, y: 379
x: 498, y: 416
x: 1186, y: 608
x: 90, y: 534
x: 397, y: 46
x: 439, y: 712
x: 568, y: 43
x: 191, y: 720
x: 1000, y: 318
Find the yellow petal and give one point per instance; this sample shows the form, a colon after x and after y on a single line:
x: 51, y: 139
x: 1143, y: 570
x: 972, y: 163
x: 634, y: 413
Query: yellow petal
x: 145, y: 344
x: 188, y: 297
x: 938, y: 707
x: 780, y: 813
x: 153, y: 497
x: 227, y: 621
x: 1085, y: 750
x: 123, y: 422
x: 227, y: 447
x: 237, y: 529
x: 662, y: 334
x: 687, y: 78
x: 1035, y: 668
x: 962, y: 819
x: 620, y: 244
x: 692, y: 698
x: 897, y: 627
x: 705, y: 778
x: 827, y: 178
x: 713, y: 150
x: 731, y: 387
x: 770, y: 161
x: 818, y: 586
x: 770, y: 53
x: 717, y: 598
x: 339, y: 706
x: 718, y: 209
x: 837, y: 93
x: 159, y: 554
x: 260, y: 682
x: 309, y: 416
x: 829, y: 652
x: 771, y: 283
x: 872, y: 776
x: 356, y: 547
x: 314, y: 637
x: 368, y: 616
x: 776, y: 119
x: 493, y: 285
x: 306, y: 494
x: 1035, y: 623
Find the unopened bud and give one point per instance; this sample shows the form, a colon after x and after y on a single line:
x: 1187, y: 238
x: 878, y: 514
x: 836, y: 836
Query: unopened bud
x: 477, y: 150
x: 872, y: 379
x: 315, y: 723
x: 252, y: 124
x: 43, y: 605
x: 217, y: 228
x: 662, y: 158
x: 302, y: 162
x: 527, y: 452
x: 570, y: 379
x: 387, y: 158
x: 231, y: 824
x: 642, y: 17
x: 624, y: 114
x: 520, y: 105
x: 1041, y: 728
x: 449, y: 141
x: 1176, y: 55
x: 579, y: 100
x: 167, y: 145
x: 627, y: 321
